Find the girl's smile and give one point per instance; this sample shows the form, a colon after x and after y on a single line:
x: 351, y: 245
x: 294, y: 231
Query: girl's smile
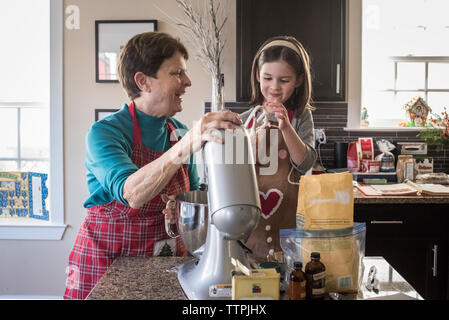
x: 277, y: 81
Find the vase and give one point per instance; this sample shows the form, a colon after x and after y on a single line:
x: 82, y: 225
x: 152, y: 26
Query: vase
x: 217, y: 103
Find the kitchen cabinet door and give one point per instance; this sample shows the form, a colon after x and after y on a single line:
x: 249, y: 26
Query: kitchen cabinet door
x: 419, y: 261
x: 413, y: 239
x: 318, y: 24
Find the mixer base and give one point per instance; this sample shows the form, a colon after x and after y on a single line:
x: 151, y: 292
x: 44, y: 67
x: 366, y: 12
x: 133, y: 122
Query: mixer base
x: 196, y: 288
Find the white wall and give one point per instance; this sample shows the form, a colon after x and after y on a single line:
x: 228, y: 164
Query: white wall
x: 38, y: 267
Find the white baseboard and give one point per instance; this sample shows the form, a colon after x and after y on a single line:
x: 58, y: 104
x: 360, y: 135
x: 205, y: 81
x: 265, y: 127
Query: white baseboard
x: 27, y: 297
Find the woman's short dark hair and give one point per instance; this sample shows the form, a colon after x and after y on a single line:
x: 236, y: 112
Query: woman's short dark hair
x: 300, y: 62
x: 145, y: 53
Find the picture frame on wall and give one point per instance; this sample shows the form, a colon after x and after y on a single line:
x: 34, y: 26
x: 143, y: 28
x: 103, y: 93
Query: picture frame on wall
x: 110, y: 37
x: 103, y: 113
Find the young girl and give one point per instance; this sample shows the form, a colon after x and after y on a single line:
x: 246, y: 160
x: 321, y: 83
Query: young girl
x: 281, y: 84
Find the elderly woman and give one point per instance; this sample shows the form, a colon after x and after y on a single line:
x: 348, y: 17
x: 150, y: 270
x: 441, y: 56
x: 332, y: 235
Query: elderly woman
x: 136, y: 159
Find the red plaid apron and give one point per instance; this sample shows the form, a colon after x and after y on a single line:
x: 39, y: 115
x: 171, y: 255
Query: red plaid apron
x: 113, y: 229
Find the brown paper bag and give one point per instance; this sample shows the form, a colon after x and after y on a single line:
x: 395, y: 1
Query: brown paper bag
x: 341, y: 258
x: 325, y: 201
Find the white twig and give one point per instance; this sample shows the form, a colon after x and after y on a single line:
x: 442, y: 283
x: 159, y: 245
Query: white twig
x: 204, y: 29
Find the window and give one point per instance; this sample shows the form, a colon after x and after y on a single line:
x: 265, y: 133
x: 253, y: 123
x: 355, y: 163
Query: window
x: 25, y: 143
x: 421, y: 76
x: 31, y: 106
x: 404, y: 54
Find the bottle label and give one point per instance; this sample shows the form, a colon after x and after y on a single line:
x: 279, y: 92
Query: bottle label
x: 318, y: 291
x: 316, y: 284
x: 319, y: 276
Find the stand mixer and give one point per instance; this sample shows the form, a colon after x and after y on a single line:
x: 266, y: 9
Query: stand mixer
x: 233, y: 213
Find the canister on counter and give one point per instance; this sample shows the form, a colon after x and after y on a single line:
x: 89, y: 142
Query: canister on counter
x: 409, y: 169
x: 400, y: 167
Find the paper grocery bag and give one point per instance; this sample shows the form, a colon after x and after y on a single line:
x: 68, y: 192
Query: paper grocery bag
x: 325, y: 201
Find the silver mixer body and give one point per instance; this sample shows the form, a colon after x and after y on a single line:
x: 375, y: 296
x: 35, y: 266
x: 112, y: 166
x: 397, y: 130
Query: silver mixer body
x: 233, y: 213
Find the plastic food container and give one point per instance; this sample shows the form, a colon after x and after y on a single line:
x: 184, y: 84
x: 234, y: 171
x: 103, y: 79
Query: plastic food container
x: 341, y: 250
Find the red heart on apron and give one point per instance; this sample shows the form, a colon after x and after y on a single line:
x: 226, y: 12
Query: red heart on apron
x: 270, y: 202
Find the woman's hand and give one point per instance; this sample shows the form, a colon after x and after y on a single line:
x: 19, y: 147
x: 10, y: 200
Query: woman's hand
x: 170, y: 212
x: 147, y: 182
x: 203, y: 130
x: 280, y: 112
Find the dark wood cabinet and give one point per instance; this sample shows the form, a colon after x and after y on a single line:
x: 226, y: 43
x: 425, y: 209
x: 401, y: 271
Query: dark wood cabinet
x: 318, y: 24
x: 413, y: 239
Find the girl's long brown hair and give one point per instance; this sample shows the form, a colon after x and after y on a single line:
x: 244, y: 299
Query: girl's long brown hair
x: 300, y: 63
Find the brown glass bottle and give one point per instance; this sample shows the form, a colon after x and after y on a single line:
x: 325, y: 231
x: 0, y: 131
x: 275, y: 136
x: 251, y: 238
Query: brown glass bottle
x: 297, y: 288
x: 316, y: 278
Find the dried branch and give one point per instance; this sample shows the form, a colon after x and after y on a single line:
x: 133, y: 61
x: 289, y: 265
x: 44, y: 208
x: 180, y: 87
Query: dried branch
x: 205, y: 32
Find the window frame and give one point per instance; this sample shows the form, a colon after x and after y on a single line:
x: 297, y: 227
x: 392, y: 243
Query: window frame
x: 30, y: 229
x: 18, y: 107
x: 417, y: 59
x: 354, y: 71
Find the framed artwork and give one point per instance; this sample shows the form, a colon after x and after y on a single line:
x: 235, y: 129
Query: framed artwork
x: 110, y: 37
x: 102, y: 113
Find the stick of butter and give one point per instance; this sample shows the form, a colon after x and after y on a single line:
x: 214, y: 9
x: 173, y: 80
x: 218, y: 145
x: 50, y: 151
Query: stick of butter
x: 261, y: 284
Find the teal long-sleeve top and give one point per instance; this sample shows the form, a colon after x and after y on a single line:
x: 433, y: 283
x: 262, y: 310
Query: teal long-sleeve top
x: 109, y: 150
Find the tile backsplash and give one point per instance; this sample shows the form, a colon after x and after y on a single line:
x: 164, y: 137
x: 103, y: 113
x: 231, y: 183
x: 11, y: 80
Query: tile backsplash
x: 332, y: 117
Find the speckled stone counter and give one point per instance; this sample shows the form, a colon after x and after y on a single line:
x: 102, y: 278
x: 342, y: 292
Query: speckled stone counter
x: 360, y: 198
x: 136, y: 278
x: 139, y: 278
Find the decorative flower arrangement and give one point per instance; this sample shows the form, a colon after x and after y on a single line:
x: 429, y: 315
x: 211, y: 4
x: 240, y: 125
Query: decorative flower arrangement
x: 438, y: 135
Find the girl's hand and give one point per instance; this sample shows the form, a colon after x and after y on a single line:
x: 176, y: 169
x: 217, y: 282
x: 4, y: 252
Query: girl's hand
x: 280, y: 112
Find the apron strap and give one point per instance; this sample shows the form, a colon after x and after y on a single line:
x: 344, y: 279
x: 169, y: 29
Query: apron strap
x: 137, y: 135
x: 171, y: 133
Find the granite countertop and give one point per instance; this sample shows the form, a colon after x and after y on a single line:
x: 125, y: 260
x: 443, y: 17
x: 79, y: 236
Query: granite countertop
x: 156, y: 278
x: 360, y: 198
x: 140, y: 278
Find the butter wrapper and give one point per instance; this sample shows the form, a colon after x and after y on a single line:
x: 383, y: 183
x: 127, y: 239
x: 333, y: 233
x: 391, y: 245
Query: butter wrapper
x: 262, y: 284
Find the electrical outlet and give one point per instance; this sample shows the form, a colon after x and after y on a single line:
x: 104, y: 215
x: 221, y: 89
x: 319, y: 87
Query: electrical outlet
x: 320, y: 136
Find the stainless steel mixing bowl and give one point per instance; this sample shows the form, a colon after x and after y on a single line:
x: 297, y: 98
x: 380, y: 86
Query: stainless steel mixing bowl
x: 191, y: 219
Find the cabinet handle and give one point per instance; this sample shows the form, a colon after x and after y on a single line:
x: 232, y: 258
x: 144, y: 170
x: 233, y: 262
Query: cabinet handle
x: 337, y: 85
x: 387, y: 222
x: 435, y: 259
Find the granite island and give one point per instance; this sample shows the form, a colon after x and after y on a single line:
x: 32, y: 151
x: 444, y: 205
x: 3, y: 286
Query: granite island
x: 410, y: 232
x: 156, y: 278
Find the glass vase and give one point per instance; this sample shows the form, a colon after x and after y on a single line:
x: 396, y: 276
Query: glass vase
x: 217, y: 103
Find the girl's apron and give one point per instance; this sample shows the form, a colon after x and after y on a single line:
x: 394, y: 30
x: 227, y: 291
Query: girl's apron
x: 278, y: 197
x: 113, y: 229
